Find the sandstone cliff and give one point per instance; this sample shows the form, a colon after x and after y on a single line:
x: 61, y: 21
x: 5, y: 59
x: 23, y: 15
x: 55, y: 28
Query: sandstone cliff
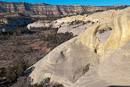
x: 43, y: 10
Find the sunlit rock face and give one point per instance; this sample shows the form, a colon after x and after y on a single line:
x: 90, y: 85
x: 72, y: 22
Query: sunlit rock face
x: 116, y: 33
x: 78, y: 24
x: 39, y: 24
x: 44, y: 10
x: 74, y: 24
x: 72, y: 59
x: 112, y: 72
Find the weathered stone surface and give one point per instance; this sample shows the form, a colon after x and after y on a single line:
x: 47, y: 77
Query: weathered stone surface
x: 113, y: 71
x: 78, y: 24
x: 118, y: 37
x: 39, y: 24
x: 74, y: 24
x: 69, y: 61
x: 65, y: 64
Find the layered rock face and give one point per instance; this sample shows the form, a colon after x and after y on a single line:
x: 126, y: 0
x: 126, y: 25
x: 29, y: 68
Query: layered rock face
x: 43, y: 10
x: 81, y: 55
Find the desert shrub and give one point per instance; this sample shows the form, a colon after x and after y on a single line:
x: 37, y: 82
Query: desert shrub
x: 11, y: 74
x: 24, y: 51
x: 2, y: 72
x: 99, y: 11
x: 82, y: 13
x: 56, y: 39
x: 12, y: 32
x: 15, y: 70
x: 16, y: 32
x: 120, y: 7
x: 49, y: 85
x: 57, y: 85
x: 20, y: 43
x: 75, y: 22
x: 62, y: 37
x: 3, y: 37
x: 22, y: 30
x: 43, y: 28
x: 28, y: 50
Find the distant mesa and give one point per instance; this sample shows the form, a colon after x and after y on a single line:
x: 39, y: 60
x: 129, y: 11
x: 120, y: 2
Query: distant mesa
x: 45, y: 10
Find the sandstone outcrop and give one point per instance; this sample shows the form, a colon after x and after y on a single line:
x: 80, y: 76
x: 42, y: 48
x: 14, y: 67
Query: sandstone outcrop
x: 78, y: 24
x: 62, y: 65
x: 39, y: 24
x: 72, y: 59
x: 74, y: 24
x: 112, y: 72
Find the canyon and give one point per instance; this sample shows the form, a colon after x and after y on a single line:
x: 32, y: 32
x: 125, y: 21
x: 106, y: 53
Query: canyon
x: 45, y: 45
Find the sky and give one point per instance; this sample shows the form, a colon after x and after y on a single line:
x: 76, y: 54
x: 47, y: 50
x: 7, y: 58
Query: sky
x: 76, y: 2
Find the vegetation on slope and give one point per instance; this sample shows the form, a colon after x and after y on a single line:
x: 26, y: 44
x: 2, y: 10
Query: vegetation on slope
x: 21, y: 45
